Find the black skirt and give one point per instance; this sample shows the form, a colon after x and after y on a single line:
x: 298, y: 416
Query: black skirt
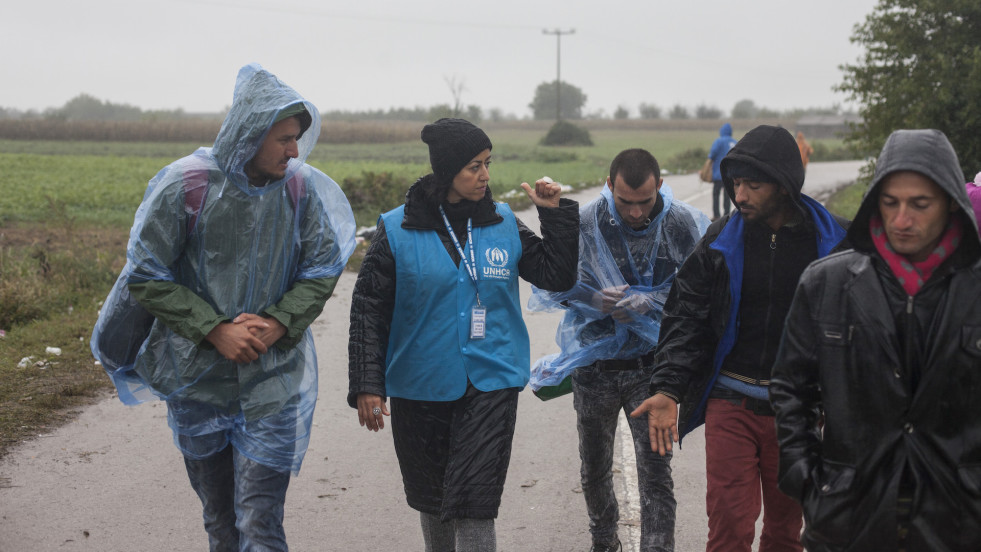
x: 454, y: 455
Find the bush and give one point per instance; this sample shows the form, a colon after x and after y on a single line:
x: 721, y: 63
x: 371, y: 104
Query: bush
x: 372, y: 194
x: 552, y: 156
x: 839, y: 152
x: 564, y: 133
x: 687, y: 161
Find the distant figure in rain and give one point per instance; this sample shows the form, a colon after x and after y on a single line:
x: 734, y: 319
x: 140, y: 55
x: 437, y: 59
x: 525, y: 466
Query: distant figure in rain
x: 234, y: 251
x: 720, y: 147
x: 805, y: 149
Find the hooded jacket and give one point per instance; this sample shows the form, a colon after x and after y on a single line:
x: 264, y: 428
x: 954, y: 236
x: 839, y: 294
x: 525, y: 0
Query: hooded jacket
x: 236, y: 248
x: 548, y: 262
x: 876, y: 390
x: 720, y: 147
x: 702, y: 313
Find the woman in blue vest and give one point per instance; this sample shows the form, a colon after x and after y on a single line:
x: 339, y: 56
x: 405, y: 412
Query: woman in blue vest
x: 436, y: 325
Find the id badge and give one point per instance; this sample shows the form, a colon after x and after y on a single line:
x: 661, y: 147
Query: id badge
x: 478, y: 322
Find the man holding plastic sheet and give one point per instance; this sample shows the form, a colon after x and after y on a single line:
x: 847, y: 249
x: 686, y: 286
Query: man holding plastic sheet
x: 234, y: 251
x: 632, y: 239
x: 722, y: 325
x: 877, y: 380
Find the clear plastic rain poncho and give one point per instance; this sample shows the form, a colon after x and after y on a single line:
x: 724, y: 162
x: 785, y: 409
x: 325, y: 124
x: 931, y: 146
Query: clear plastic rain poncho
x: 239, y: 248
x: 613, y: 255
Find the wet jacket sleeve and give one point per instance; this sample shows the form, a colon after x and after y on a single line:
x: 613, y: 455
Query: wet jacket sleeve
x: 372, y: 305
x: 685, y: 342
x: 191, y: 317
x: 300, y: 306
x: 551, y: 262
x: 796, y: 397
x: 179, y: 308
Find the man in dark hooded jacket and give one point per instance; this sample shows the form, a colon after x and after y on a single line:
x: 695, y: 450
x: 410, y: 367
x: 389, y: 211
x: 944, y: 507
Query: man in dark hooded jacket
x: 722, y: 325
x: 877, y: 380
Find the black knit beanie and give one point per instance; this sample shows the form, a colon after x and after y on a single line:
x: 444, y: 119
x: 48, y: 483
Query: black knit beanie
x: 452, y: 144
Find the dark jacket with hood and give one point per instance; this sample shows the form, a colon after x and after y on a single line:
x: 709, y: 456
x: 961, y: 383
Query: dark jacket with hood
x: 705, y: 316
x: 877, y: 391
x: 548, y: 263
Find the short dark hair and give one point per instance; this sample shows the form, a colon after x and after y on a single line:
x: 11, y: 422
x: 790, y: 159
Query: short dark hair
x: 634, y: 166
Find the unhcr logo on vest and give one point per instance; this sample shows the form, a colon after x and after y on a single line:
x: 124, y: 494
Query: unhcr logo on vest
x: 497, y: 258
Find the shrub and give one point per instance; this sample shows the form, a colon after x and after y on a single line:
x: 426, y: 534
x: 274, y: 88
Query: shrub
x: 564, y: 133
x: 687, y: 161
x: 371, y: 194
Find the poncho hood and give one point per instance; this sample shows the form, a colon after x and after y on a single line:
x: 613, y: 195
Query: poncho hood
x: 259, y: 98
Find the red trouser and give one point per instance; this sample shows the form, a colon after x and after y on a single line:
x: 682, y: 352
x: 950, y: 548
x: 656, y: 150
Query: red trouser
x: 741, y: 459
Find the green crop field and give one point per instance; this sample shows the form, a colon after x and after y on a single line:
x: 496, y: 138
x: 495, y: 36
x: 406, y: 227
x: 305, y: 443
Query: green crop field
x: 101, y: 183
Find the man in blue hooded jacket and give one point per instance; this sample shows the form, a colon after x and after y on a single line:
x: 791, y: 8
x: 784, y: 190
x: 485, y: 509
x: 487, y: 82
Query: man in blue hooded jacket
x: 720, y: 147
x: 632, y: 239
x: 722, y: 325
x: 234, y: 251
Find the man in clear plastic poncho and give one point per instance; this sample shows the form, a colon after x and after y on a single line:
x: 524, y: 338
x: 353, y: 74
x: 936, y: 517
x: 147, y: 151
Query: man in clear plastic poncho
x: 632, y: 240
x: 234, y: 251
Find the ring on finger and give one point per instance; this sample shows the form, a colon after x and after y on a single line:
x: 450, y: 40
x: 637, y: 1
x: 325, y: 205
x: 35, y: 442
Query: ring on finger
x: 376, y: 410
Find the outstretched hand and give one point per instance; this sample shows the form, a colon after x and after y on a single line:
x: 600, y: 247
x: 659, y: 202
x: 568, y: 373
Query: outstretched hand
x: 662, y: 421
x: 545, y: 193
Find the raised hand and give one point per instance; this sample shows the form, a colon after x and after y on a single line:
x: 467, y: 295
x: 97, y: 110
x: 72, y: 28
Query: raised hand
x: 545, y: 193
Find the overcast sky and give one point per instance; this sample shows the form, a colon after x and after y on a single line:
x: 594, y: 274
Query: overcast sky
x: 376, y: 54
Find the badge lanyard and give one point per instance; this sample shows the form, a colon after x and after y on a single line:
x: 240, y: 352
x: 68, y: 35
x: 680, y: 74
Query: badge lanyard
x: 478, y: 314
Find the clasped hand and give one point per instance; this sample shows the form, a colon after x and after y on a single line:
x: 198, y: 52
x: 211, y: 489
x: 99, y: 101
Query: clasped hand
x: 246, y: 337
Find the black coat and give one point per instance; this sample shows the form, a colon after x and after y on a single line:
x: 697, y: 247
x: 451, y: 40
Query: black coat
x: 696, y: 327
x: 549, y: 262
x: 870, y: 383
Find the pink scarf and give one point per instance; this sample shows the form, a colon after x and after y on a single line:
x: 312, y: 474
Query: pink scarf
x: 912, y: 275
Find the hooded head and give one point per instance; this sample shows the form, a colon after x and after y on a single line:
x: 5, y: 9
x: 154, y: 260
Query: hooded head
x: 769, y: 154
x: 260, y: 101
x: 725, y: 130
x: 927, y: 153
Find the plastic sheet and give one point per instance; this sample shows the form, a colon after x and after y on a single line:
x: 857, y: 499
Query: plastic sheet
x: 240, y: 248
x: 639, y: 264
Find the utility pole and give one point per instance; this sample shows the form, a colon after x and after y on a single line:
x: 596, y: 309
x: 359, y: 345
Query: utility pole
x: 558, y: 68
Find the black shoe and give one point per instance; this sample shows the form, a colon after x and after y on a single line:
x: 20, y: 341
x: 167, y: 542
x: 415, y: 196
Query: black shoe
x: 614, y: 547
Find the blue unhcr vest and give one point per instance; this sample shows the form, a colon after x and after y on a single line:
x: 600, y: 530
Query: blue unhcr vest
x: 430, y: 353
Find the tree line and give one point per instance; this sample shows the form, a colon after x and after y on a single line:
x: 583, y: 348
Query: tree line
x: 85, y: 107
